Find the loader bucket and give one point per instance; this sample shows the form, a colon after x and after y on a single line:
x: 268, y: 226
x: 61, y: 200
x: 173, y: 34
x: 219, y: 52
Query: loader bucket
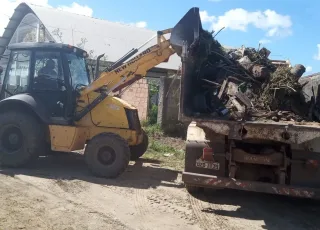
x: 187, y: 30
x: 192, y: 44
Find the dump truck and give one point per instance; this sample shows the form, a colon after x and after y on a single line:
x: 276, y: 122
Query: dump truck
x: 278, y: 156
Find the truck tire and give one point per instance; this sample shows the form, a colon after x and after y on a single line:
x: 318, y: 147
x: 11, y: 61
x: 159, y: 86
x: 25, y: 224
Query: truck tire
x: 22, y: 138
x: 192, y: 189
x: 107, y: 155
x: 138, y: 150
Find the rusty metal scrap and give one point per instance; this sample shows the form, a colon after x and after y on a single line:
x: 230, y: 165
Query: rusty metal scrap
x: 244, y: 99
x: 251, y: 86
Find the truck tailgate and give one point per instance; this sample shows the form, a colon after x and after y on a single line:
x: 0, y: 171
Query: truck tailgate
x: 286, y: 132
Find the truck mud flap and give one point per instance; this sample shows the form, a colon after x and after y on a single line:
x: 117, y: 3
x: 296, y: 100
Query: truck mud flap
x: 209, y: 181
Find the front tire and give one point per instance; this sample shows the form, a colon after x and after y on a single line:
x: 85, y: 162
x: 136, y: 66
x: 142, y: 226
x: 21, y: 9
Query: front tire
x: 22, y: 138
x: 107, y: 155
x: 137, y: 151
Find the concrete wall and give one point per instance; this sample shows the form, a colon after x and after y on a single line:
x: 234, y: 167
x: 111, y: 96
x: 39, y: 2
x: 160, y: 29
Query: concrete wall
x: 169, y: 97
x: 137, y: 95
x: 169, y: 107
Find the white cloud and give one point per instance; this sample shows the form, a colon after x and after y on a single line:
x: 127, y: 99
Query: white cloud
x: 141, y: 24
x: 77, y: 9
x: 239, y: 19
x: 308, y: 69
x: 264, y: 41
x: 8, y: 6
x: 206, y: 18
x: 317, y: 56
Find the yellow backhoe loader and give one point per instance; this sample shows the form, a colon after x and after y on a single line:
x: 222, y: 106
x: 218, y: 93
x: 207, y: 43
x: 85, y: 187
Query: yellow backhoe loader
x: 48, y: 102
x: 47, y: 99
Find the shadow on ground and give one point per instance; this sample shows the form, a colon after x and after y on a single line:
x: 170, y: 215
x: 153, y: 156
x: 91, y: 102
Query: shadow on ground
x: 277, y: 212
x: 143, y: 174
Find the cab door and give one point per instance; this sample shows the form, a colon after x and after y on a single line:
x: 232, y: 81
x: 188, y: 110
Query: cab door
x: 48, y: 83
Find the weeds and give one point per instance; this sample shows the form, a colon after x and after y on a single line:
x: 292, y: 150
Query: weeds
x: 153, y: 130
x: 162, y: 148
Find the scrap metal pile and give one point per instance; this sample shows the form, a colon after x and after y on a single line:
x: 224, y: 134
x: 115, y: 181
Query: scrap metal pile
x: 244, y: 84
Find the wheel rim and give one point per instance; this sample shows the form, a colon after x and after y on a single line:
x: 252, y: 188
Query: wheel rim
x: 106, y: 155
x: 11, y: 138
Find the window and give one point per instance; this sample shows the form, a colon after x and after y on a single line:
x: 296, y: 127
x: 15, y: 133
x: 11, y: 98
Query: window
x: 31, y: 29
x: 48, y: 74
x: 78, y: 70
x: 48, y: 64
x: 17, y: 80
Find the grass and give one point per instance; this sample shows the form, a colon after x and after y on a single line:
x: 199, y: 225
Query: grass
x: 161, y: 149
x: 153, y: 130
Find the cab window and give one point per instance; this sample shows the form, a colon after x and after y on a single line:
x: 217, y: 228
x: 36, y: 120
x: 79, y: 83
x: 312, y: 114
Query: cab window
x: 48, y: 64
x: 48, y: 70
x: 78, y: 70
x: 17, y: 79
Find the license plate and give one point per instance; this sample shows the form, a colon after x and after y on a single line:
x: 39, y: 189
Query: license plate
x: 207, y: 164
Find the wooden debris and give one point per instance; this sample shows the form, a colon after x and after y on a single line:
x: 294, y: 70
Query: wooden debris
x: 222, y: 89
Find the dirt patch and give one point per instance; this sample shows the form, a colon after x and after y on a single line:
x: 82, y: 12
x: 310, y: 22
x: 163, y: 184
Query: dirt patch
x: 60, y: 193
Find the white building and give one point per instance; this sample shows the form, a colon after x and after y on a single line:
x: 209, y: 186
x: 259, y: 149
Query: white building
x: 31, y: 23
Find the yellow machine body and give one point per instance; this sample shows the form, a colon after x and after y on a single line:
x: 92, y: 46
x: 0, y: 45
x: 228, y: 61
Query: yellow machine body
x: 108, y: 116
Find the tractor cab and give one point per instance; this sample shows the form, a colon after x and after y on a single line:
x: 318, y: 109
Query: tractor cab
x: 49, y: 72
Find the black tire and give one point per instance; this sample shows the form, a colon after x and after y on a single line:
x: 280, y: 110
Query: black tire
x: 137, y: 151
x: 22, y: 138
x: 107, y: 155
x: 192, y: 189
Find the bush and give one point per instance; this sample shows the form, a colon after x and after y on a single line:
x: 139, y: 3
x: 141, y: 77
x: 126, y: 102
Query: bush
x: 153, y: 130
x: 153, y: 115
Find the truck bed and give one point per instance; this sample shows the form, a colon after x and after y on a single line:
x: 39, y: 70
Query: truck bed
x: 223, y: 87
x: 285, y: 131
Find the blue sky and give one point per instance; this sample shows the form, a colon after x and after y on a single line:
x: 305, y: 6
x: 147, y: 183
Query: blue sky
x: 288, y: 28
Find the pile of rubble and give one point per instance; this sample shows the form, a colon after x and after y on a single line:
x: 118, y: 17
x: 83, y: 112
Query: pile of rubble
x: 244, y: 84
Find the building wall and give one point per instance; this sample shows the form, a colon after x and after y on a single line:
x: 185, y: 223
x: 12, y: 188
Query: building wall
x: 169, y: 99
x: 137, y: 95
x: 169, y: 107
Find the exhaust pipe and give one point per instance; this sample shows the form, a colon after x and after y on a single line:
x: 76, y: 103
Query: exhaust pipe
x: 97, y: 66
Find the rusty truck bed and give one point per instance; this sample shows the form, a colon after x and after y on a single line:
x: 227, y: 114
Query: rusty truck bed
x: 285, y: 132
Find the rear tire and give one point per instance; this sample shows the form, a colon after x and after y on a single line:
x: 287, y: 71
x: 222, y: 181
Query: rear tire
x: 107, y: 155
x: 22, y: 138
x: 137, y: 151
x: 192, y: 189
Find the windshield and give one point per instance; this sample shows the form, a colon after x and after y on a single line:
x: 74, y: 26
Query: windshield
x: 78, y: 70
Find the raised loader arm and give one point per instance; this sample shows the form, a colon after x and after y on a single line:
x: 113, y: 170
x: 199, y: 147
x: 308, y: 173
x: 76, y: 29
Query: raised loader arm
x: 185, y: 33
x: 135, y: 68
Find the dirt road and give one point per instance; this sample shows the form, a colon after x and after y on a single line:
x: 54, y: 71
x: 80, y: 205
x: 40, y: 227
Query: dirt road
x: 59, y: 193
